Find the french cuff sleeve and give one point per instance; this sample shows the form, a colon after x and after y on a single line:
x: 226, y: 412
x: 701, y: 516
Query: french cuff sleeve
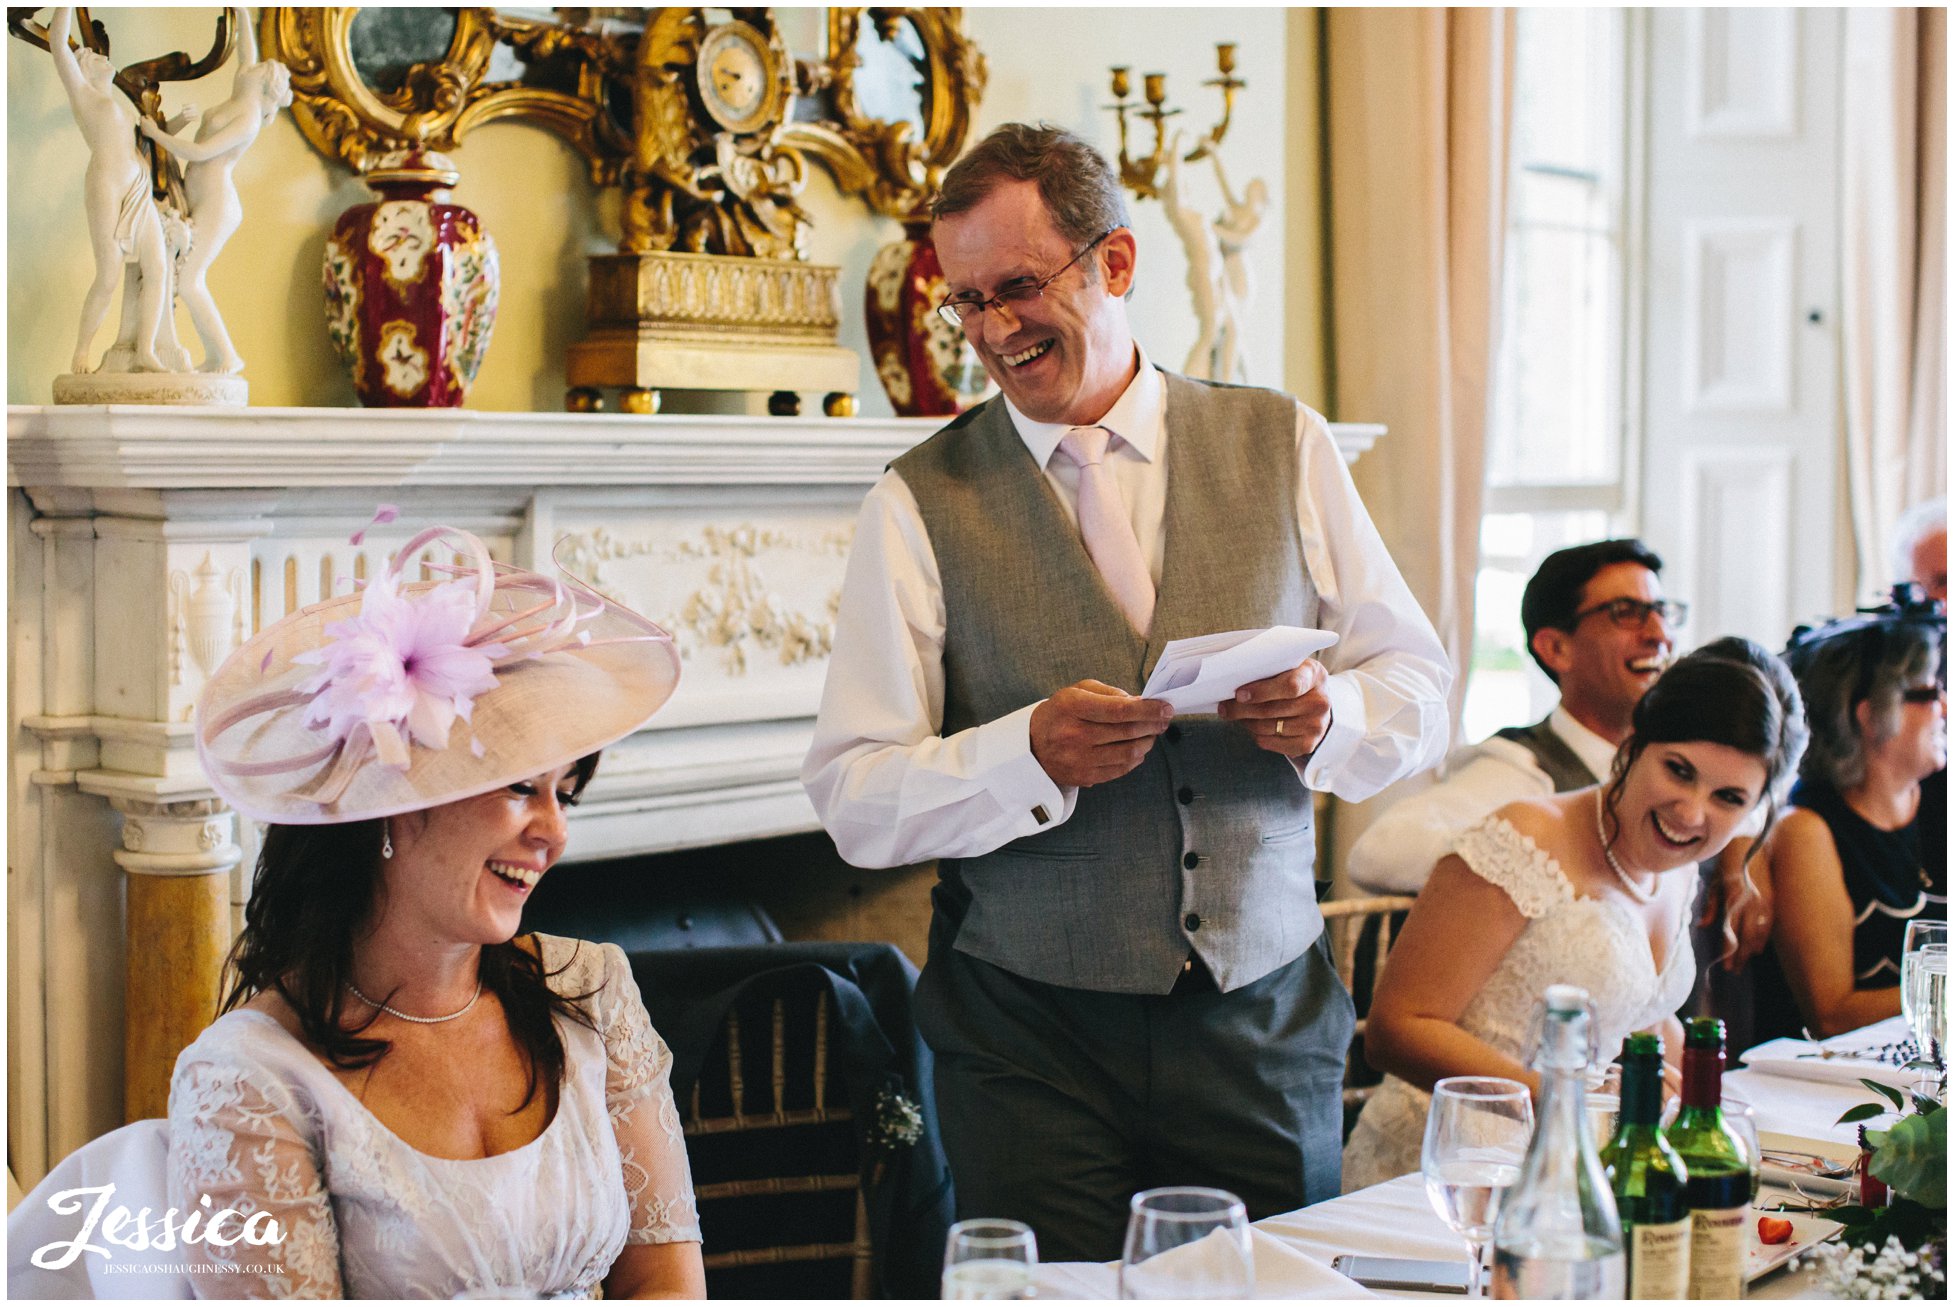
x: 1348, y: 727
x: 1014, y: 778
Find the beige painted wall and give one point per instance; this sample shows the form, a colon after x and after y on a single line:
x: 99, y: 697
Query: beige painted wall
x: 1306, y: 368
x: 536, y: 201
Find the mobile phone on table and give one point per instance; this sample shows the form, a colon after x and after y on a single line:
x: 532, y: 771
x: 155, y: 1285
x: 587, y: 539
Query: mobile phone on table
x: 1413, y: 1274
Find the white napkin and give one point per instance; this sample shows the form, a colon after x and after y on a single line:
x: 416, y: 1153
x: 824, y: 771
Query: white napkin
x: 1797, y: 1059
x: 1282, y: 1270
x: 1196, y: 674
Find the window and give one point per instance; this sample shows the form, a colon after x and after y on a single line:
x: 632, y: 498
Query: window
x: 1555, y: 445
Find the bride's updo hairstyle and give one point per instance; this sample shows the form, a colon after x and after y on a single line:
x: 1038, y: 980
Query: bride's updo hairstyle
x: 1733, y: 692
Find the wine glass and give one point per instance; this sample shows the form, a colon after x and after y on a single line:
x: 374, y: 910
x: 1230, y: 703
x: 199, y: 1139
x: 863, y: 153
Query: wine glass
x: 1475, y: 1139
x: 1604, y: 1105
x: 1923, y: 986
x: 989, y: 1259
x: 1741, y: 1117
x: 1187, y: 1242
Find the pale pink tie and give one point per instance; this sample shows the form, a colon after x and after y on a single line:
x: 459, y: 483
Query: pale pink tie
x: 1106, y: 529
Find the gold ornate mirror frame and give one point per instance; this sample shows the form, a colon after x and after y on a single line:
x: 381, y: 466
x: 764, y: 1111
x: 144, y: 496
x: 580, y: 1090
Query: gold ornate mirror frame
x: 439, y: 101
x: 882, y: 161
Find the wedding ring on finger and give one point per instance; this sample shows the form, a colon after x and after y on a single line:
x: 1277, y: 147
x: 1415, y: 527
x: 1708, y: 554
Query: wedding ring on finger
x: 1278, y: 726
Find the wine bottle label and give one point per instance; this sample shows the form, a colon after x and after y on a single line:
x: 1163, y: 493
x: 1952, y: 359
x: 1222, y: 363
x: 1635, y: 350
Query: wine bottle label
x: 1716, y: 1251
x: 1658, y: 1260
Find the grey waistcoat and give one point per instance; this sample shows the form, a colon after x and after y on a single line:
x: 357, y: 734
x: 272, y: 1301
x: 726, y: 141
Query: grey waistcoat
x: 1555, y: 755
x: 1207, y: 846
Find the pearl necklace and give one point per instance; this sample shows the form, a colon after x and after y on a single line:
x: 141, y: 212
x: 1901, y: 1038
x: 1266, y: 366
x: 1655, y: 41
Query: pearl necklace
x: 419, y: 1021
x: 1635, y: 891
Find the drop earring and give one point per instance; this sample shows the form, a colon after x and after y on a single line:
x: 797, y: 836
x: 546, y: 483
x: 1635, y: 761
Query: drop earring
x: 386, y: 839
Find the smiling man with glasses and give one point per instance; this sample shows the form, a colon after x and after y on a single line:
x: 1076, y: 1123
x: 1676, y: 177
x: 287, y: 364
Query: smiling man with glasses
x: 1128, y: 984
x: 1599, y: 627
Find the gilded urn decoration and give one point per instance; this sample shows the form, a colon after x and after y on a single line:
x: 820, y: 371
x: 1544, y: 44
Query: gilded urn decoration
x: 411, y: 287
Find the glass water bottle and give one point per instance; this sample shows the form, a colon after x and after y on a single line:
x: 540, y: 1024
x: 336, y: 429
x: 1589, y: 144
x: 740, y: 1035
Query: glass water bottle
x: 1558, y: 1234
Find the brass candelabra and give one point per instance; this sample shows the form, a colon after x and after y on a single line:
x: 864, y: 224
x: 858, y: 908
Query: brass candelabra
x: 1141, y: 175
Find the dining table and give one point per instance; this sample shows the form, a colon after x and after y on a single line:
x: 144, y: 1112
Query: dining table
x: 1796, y: 1098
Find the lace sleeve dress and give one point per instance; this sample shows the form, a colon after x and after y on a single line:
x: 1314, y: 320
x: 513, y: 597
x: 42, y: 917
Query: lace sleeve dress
x: 1597, y: 944
x: 258, y: 1124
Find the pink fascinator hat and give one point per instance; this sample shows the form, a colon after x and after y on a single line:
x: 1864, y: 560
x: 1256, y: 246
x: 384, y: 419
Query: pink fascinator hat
x: 409, y: 694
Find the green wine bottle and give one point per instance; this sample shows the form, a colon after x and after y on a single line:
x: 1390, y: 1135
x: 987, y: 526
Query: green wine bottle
x: 1648, y: 1178
x: 1719, y: 1166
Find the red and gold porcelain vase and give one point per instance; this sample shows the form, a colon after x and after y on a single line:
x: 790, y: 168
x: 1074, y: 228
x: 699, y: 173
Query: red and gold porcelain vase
x: 411, y: 287
x: 924, y: 363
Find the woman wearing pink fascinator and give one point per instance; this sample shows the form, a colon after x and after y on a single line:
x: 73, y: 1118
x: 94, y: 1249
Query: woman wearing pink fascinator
x: 427, y: 1104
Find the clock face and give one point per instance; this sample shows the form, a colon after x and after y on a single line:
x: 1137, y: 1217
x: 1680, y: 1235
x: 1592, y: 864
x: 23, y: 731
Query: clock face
x: 738, y: 79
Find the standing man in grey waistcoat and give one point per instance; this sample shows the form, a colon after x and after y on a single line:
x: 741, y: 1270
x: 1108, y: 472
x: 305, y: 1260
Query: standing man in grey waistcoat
x: 1597, y: 624
x: 1128, y: 984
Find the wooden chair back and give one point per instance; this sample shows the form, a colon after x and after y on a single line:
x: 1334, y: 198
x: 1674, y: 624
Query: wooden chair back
x: 1361, y: 934
x: 774, y: 1156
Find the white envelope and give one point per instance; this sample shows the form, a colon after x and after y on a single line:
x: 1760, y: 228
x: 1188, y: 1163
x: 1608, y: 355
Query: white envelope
x: 1196, y: 674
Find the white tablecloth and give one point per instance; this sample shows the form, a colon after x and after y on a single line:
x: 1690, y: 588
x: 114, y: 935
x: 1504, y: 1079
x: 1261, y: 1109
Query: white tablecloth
x: 1806, y: 1109
x: 1393, y: 1219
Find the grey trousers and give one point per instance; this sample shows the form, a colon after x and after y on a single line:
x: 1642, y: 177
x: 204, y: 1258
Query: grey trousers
x: 1057, y: 1105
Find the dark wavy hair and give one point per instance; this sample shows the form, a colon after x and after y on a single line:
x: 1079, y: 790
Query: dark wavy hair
x: 1733, y: 692
x: 1553, y: 593
x: 314, y: 888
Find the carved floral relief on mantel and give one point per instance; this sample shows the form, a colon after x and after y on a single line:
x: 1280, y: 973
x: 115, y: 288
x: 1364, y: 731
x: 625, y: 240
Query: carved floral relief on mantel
x: 735, y: 605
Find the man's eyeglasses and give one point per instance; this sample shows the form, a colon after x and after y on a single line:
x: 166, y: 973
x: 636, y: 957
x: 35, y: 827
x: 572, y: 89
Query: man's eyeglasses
x: 959, y: 311
x: 1923, y: 694
x: 1630, y: 614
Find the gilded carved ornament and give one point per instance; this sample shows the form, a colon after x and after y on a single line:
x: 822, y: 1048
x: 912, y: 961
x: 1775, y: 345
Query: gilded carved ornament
x: 711, y: 153
x: 438, y: 102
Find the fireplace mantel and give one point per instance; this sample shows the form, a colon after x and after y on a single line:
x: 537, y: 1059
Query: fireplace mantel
x: 148, y: 542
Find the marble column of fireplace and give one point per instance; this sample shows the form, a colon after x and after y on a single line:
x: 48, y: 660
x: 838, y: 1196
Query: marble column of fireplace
x: 146, y: 543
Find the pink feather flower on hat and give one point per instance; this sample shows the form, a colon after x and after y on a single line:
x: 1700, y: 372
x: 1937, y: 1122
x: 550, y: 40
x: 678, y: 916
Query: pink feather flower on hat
x: 402, y: 667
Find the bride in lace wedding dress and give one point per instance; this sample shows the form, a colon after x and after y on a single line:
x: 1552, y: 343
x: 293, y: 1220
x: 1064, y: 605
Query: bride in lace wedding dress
x: 426, y: 1104
x: 1573, y: 889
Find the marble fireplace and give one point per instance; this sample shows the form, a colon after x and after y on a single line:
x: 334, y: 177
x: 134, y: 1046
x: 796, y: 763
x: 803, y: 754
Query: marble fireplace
x: 146, y: 543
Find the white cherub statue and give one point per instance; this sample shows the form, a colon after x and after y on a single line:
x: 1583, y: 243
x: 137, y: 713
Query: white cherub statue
x: 259, y: 89
x: 124, y: 224
x: 1204, y: 269
x: 1233, y: 227
x: 1218, y: 275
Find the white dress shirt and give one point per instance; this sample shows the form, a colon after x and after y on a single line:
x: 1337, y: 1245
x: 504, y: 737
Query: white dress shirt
x: 1396, y: 853
x: 892, y: 790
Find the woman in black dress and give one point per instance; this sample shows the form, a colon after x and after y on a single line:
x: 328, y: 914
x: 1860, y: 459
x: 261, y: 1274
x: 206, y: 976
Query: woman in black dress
x: 1863, y: 849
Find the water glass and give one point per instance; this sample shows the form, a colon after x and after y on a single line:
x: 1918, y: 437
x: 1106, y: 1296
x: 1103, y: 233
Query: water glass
x: 1187, y: 1242
x: 1476, y: 1136
x: 989, y: 1260
x: 1923, y: 985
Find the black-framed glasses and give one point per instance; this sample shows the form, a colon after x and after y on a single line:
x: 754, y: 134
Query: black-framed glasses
x: 959, y: 311
x: 1923, y: 694
x: 1631, y: 613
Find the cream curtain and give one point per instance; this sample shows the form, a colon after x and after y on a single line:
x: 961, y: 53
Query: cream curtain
x: 1419, y: 107
x: 1895, y: 243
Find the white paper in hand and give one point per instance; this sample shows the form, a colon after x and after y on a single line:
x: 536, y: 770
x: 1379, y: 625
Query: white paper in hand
x: 1196, y: 674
